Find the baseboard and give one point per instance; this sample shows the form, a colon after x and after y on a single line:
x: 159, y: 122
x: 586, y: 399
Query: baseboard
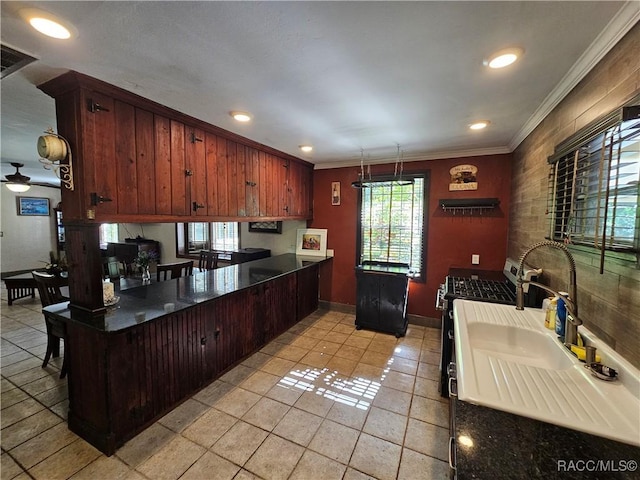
x: 345, y: 308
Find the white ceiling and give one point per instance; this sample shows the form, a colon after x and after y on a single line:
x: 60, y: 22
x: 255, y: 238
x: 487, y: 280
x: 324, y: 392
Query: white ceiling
x: 342, y: 76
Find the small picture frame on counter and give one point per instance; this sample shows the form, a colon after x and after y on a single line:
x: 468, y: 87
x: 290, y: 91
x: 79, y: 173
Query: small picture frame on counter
x: 312, y: 242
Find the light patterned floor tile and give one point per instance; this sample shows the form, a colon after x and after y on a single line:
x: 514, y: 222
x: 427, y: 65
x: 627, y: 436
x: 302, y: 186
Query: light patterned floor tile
x: 311, y: 464
x: 175, y: 458
x: 239, y: 443
x: 428, y: 410
x: 42, y: 446
x: 334, y: 441
x: 207, y: 429
x: 66, y: 462
x: 237, y: 402
x: 386, y: 425
x: 376, y: 457
x: 275, y: 459
x: 427, y: 439
x: 211, y: 465
x: 266, y: 413
x: 416, y: 465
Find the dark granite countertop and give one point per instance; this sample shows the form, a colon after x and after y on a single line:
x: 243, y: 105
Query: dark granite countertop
x: 148, y: 302
x: 508, y: 446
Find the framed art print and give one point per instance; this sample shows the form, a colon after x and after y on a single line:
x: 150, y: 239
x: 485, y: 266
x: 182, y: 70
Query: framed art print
x: 312, y: 241
x: 32, y: 206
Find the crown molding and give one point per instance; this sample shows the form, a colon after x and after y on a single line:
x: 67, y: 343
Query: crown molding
x: 617, y: 28
x: 415, y: 157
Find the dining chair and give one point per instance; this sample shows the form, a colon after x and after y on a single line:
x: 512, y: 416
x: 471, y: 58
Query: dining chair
x: 49, y: 290
x: 111, y: 267
x: 208, y: 260
x: 173, y: 270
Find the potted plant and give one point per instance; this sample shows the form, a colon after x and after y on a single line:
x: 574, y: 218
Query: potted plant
x: 143, y: 259
x: 57, y: 265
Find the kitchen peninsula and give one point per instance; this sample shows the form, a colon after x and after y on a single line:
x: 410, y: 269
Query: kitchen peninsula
x: 164, y: 341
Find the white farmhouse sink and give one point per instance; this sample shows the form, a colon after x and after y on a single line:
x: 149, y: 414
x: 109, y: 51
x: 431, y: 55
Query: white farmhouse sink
x: 517, y: 345
x: 506, y: 359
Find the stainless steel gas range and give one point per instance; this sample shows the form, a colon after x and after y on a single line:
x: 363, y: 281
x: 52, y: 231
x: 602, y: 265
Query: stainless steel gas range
x: 482, y: 286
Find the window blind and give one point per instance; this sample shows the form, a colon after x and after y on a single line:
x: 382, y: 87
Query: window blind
x: 392, y: 217
x: 596, y: 190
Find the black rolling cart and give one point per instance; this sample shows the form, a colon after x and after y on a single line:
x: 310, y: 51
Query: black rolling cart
x: 382, y: 295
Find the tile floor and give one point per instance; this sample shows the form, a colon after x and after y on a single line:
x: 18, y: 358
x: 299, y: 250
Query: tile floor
x: 322, y: 401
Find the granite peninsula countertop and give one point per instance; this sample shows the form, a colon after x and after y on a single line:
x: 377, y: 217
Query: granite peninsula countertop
x: 148, y: 302
x: 508, y: 446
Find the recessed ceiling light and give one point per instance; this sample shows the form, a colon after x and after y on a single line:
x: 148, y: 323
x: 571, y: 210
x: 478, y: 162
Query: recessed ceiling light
x: 479, y: 125
x: 48, y: 24
x: 504, y: 58
x: 241, y: 116
x: 306, y: 148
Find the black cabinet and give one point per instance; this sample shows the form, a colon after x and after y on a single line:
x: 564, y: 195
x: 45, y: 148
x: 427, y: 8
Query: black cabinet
x: 382, y: 294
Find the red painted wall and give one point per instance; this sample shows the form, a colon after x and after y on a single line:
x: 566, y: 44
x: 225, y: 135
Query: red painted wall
x: 451, y: 239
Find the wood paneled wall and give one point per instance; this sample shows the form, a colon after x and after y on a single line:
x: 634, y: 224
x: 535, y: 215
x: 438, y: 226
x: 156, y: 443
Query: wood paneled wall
x: 609, y: 303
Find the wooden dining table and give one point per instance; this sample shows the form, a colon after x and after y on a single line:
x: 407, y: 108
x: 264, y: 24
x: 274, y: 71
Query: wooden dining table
x: 23, y: 285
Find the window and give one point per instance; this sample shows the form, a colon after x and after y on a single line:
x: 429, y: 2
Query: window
x: 595, y: 189
x: 108, y: 233
x: 195, y: 236
x: 392, y: 222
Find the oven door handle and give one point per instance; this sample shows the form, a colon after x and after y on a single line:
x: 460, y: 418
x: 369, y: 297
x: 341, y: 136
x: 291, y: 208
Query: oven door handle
x: 441, y: 303
x: 452, y: 453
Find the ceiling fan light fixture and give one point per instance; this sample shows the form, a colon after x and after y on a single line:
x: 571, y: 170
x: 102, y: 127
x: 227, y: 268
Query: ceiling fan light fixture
x: 48, y: 24
x: 504, y: 58
x: 479, y: 125
x: 243, y: 117
x: 17, y: 182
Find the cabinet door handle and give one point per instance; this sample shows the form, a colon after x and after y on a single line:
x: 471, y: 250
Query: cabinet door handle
x: 453, y: 387
x: 251, y: 184
x: 203, y: 341
x: 216, y: 334
x: 96, y: 199
x: 452, y: 453
x: 94, y: 107
x: 196, y: 206
x: 188, y: 173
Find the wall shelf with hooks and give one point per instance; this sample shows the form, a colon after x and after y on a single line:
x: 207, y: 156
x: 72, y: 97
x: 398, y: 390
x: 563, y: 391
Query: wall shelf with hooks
x: 468, y: 206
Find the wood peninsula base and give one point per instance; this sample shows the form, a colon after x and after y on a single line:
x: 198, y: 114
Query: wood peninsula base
x: 124, y: 375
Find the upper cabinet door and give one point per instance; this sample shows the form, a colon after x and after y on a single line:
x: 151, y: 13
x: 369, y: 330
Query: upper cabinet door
x: 138, y: 161
x: 101, y: 171
x: 145, y: 162
x: 180, y: 178
x: 299, y: 190
x: 197, y: 167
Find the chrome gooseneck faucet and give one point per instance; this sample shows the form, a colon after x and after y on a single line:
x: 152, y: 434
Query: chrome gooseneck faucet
x: 572, y: 322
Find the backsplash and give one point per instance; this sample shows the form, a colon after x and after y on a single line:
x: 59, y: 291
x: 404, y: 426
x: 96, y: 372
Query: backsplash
x: 609, y: 304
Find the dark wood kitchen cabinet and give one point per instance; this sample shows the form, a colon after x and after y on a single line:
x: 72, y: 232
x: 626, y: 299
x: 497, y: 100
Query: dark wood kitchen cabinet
x: 122, y: 381
x: 137, y: 161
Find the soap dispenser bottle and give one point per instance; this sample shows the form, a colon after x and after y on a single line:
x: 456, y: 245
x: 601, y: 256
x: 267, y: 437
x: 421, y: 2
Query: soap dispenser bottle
x: 550, y: 313
x: 561, y: 314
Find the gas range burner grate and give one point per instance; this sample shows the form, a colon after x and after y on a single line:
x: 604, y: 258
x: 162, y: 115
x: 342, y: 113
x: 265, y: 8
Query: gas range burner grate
x: 481, y: 290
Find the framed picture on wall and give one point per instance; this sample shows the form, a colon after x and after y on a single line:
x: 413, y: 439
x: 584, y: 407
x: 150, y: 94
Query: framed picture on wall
x: 265, y: 227
x: 32, y: 206
x: 312, y: 241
